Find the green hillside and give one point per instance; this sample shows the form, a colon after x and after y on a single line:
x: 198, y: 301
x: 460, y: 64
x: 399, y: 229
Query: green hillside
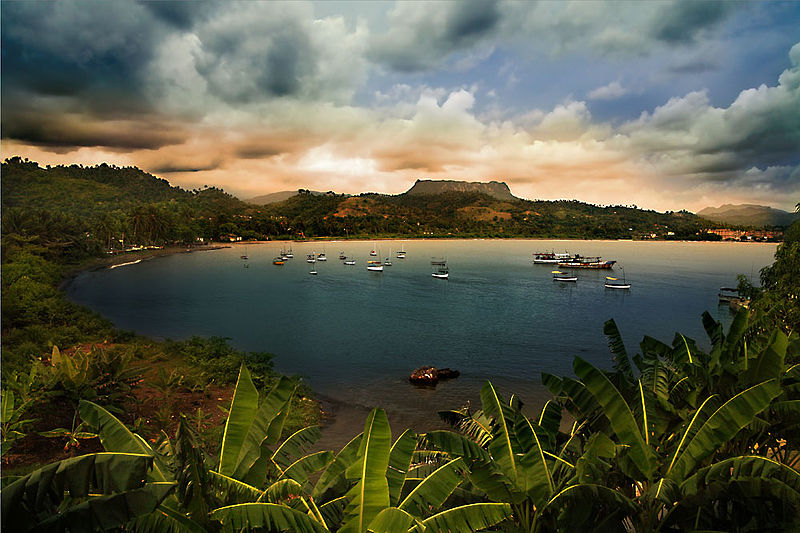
x: 115, y: 207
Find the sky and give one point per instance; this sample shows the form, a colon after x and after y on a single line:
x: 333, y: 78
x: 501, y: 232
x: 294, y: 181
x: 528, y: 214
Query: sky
x: 666, y: 105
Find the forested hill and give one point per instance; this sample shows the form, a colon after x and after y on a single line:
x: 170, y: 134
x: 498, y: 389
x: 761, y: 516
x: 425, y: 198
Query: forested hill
x: 113, y: 206
x: 472, y: 214
x: 82, y: 189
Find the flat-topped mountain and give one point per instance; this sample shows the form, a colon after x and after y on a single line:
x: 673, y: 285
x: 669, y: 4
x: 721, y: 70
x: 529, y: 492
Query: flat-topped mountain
x: 495, y: 189
x: 748, y: 215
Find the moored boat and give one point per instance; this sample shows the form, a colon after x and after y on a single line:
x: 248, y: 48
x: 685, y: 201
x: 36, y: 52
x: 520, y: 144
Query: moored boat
x: 544, y: 258
x: 311, y: 258
x: 350, y: 262
x: 401, y: 254
x: 375, y: 266
x: 558, y: 275
x: 586, y: 262
x: 278, y: 261
x: 616, y: 283
x: 442, y: 272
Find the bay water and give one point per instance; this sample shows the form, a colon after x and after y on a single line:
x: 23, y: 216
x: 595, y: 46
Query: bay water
x: 356, y: 335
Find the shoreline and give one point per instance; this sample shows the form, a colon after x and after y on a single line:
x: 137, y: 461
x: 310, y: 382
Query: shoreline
x: 99, y: 263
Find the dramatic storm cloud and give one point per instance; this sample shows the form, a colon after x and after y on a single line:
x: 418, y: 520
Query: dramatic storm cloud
x: 665, y: 104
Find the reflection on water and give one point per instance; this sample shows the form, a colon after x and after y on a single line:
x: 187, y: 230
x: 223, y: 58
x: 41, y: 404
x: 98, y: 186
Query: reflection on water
x: 356, y: 335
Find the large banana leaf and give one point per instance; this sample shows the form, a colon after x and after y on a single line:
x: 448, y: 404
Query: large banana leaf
x: 432, y: 492
x: 722, y: 426
x: 473, y: 517
x: 391, y: 520
x: 112, y: 482
x: 501, y: 446
x: 269, y: 516
x: 769, y: 363
x: 619, y: 415
x: 370, y: 495
x: 234, y: 491
x: 307, y: 465
x: 116, y: 437
x: 334, y: 476
x: 399, y: 461
x: 621, y: 362
x: 536, y: 477
x: 295, y: 445
x: 244, y: 407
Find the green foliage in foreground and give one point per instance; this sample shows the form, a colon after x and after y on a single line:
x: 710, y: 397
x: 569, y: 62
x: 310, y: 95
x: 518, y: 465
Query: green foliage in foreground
x: 672, y: 439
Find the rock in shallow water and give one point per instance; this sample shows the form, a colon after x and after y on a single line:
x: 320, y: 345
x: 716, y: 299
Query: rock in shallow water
x: 430, y: 375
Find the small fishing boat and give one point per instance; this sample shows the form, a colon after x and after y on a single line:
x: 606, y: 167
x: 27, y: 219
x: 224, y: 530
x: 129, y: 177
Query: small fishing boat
x: 558, y: 275
x: 278, y: 261
x: 350, y: 262
x: 728, y: 294
x: 544, y: 258
x: 616, y: 283
x: 442, y: 272
x: 374, y: 266
x: 586, y: 262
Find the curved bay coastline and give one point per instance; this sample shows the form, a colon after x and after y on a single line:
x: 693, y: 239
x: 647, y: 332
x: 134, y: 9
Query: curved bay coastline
x: 357, y: 335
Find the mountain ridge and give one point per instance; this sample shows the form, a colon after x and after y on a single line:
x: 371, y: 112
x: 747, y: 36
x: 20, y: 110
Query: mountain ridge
x: 748, y: 215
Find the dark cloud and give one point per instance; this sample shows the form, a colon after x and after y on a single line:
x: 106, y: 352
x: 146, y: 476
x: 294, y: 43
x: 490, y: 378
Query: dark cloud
x: 93, y: 51
x: 259, y: 152
x: 170, y: 168
x: 181, y: 14
x: 245, y: 66
x: 424, y: 35
x: 74, y: 131
x: 473, y: 20
x: 683, y: 21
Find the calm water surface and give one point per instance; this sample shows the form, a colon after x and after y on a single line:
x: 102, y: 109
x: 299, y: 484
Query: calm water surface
x: 356, y: 335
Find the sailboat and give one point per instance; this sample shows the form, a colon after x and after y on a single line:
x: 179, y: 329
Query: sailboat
x: 311, y: 258
x: 401, y: 254
x: 374, y: 266
x: 373, y: 253
x: 616, y: 283
x: 442, y: 272
x: 388, y: 261
x: 564, y: 276
x: 290, y: 254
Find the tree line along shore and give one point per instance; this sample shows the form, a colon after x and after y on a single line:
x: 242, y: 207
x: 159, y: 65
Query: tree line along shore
x: 672, y: 438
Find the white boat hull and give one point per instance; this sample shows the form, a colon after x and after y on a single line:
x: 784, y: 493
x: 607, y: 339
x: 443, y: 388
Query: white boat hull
x: 375, y: 268
x: 440, y: 276
x: 618, y: 286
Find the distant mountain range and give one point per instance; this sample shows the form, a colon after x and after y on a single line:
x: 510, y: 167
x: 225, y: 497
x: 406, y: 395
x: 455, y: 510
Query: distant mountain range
x: 748, y: 215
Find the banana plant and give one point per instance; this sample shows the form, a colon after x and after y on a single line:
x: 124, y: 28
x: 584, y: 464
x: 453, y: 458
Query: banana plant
x: 669, y: 458
x: 100, y: 491
x: 369, y: 486
x: 529, y: 463
x: 251, y: 458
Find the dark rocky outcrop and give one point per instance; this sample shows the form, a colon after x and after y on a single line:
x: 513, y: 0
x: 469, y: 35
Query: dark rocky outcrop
x: 495, y: 189
x: 430, y: 375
